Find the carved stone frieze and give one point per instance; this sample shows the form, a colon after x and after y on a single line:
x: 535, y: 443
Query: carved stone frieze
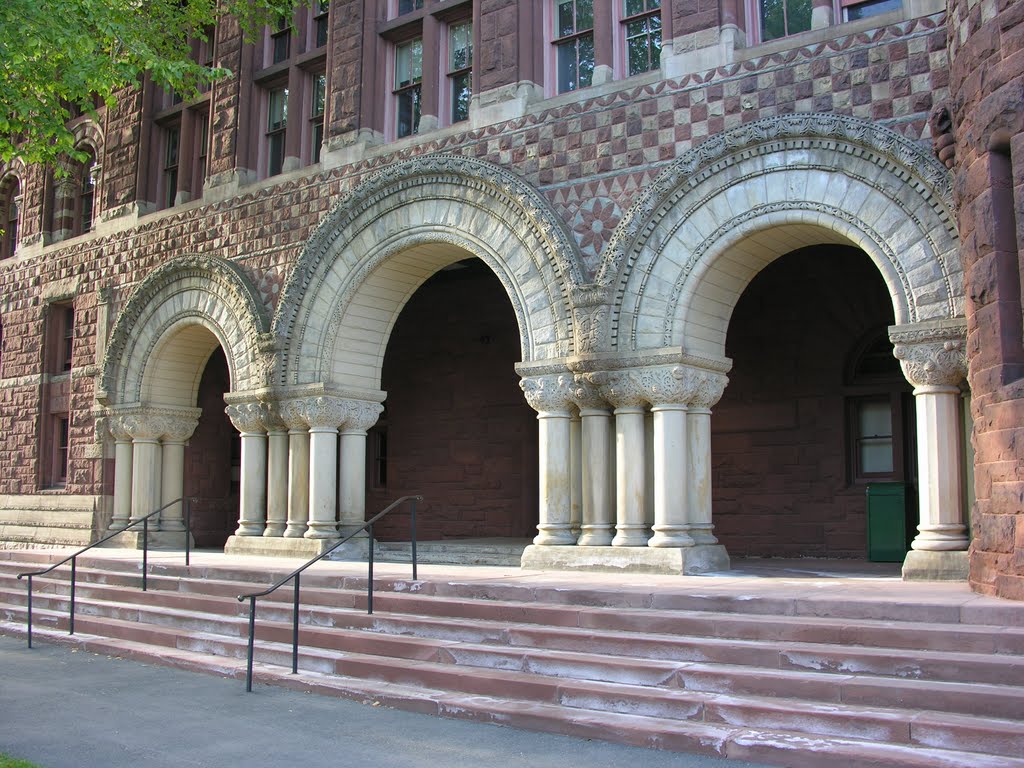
x: 549, y: 394
x: 931, y: 354
x: 591, y: 329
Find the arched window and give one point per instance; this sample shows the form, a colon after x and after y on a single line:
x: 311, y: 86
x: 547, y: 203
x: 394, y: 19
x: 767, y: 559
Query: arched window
x: 10, y: 199
x: 73, y: 197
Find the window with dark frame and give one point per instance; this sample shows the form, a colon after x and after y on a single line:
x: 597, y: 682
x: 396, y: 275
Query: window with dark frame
x: 172, y: 139
x: 10, y: 196
x: 408, y: 87
x: 61, y: 444
x: 859, y: 9
x: 316, y: 117
x: 781, y: 18
x: 320, y: 22
x: 280, y: 41
x: 460, y: 69
x: 67, y: 346
x: 574, y: 44
x: 86, y: 196
x: 408, y: 6
x: 642, y: 26
x: 277, y: 124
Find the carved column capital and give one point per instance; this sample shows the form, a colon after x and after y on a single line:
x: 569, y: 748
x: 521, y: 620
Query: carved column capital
x: 361, y: 415
x: 549, y: 394
x: 708, y: 387
x: 179, y: 428
x: 117, y: 426
x: 931, y: 354
x: 247, y: 418
x: 324, y: 412
x: 666, y: 384
x: 274, y: 420
x: 621, y: 388
x: 173, y: 424
x: 586, y: 393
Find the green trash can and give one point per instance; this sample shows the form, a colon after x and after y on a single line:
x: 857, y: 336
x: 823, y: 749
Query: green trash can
x: 887, y: 522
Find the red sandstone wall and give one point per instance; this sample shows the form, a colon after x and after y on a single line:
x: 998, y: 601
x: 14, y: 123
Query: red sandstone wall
x: 987, y: 83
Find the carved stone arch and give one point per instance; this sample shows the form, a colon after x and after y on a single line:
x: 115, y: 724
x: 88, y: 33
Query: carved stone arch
x: 690, y: 244
x: 391, y: 233
x: 174, y: 320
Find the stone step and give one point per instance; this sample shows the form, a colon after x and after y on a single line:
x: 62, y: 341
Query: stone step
x: 414, y: 675
x: 996, y: 700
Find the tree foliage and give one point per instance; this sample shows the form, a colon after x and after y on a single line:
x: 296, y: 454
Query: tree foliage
x: 58, y: 58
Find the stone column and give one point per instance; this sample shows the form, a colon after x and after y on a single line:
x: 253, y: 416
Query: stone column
x: 576, y: 475
x: 293, y: 414
x: 596, y: 491
x: 934, y: 360
x: 145, y: 430
x: 623, y: 391
x: 249, y: 419
x: 550, y: 397
x: 324, y: 415
x: 122, y: 471
x: 177, y: 429
x: 360, y: 416
x: 708, y: 387
x: 821, y: 14
x: 669, y: 389
x: 277, y: 473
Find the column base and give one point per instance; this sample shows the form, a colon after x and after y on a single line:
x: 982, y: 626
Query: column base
x: 304, y: 549
x: 157, y: 540
x: 922, y: 565
x: 678, y: 561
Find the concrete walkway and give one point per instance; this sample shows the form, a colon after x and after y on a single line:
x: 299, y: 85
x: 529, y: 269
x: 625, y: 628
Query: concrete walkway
x: 65, y: 709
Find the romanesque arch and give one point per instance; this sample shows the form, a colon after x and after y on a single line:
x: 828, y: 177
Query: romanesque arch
x: 381, y: 242
x: 171, y: 324
x: 686, y: 249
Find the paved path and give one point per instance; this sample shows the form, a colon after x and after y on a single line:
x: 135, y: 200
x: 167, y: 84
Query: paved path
x: 65, y: 709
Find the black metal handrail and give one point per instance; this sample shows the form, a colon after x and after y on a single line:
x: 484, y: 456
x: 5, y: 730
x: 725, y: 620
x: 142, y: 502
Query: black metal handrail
x: 368, y: 527
x: 145, y: 559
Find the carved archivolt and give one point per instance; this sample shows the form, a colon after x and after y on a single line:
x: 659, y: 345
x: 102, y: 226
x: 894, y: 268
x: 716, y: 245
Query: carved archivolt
x: 481, y: 209
x: 734, y: 185
x: 212, y: 292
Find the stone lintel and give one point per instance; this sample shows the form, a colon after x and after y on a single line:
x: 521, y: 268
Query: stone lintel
x: 670, y: 561
x: 922, y: 565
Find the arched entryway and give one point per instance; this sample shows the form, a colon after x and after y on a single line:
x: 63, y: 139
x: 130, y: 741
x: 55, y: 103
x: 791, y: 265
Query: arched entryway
x: 186, y: 336
x: 455, y: 427
x: 817, y: 411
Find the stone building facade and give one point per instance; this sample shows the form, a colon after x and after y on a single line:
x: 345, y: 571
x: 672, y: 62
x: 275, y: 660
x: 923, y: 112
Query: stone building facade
x: 649, y: 284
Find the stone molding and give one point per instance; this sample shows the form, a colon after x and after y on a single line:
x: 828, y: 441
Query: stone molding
x: 931, y: 354
x: 549, y: 394
x: 229, y: 286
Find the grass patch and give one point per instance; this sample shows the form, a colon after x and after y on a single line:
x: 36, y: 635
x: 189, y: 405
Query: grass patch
x: 10, y: 762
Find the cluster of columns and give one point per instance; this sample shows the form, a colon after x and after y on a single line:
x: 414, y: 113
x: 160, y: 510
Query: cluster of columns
x: 625, y: 456
x: 303, y: 466
x: 149, y: 464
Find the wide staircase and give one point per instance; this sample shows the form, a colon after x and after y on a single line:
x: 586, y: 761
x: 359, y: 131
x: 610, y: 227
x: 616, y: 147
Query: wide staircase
x: 787, y: 681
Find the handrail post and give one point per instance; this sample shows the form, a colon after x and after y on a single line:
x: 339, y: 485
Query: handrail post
x: 145, y: 550
x: 30, y: 611
x: 295, y: 628
x: 188, y: 529
x: 71, y: 618
x: 369, y: 577
x: 252, y: 639
x: 413, y: 531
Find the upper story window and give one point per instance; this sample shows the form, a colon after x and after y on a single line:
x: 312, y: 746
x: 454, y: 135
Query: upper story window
x: 408, y: 87
x: 281, y: 42
x: 316, y: 115
x: 10, y: 201
x: 277, y: 124
x: 86, y: 195
x: 171, y: 145
x: 774, y: 19
x: 574, y: 44
x: 460, y: 69
x: 780, y: 18
x: 320, y: 22
x: 72, y: 197
x: 642, y: 27
x: 408, y: 6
